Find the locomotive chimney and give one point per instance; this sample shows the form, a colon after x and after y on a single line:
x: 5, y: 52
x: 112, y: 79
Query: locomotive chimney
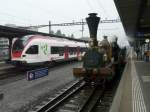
x: 93, y: 22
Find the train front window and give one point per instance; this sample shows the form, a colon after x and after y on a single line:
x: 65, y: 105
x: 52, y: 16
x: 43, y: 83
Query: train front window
x: 25, y: 38
x: 20, y: 43
x: 32, y: 50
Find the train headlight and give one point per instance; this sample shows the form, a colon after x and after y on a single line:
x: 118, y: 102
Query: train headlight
x: 23, y: 55
x: 24, y: 62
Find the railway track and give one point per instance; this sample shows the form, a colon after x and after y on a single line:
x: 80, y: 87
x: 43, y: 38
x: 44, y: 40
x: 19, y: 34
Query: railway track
x: 12, y: 71
x: 51, y: 103
x: 7, y: 72
x: 77, y: 98
x: 104, y: 103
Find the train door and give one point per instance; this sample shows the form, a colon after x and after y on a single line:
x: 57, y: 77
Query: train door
x: 78, y: 52
x: 66, y: 52
x: 32, y: 53
x: 79, y: 56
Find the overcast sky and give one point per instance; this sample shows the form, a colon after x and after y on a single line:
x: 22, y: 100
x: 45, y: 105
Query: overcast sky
x: 36, y: 12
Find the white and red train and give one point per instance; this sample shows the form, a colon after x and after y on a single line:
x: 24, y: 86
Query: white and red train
x: 37, y: 49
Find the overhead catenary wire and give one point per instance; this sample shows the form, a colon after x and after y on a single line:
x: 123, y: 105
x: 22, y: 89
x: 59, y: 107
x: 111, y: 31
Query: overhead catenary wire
x: 17, y: 19
x: 39, y: 7
x: 24, y: 20
x: 42, y: 9
x: 89, y: 5
x: 102, y: 7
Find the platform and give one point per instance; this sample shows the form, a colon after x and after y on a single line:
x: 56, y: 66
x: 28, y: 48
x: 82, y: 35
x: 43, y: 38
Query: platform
x: 133, y: 93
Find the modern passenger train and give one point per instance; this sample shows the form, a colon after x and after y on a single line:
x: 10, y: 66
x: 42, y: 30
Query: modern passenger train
x: 37, y: 49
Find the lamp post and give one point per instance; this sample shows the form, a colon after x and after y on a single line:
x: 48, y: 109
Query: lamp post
x: 147, y: 51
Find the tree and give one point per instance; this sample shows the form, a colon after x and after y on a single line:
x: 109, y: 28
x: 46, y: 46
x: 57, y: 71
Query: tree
x: 58, y: 33
x: 52, y: 32
x: 63, y: 35
x: 72, y: 36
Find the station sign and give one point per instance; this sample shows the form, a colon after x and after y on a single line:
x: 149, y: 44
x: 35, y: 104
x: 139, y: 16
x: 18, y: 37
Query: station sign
x: 38, y: 73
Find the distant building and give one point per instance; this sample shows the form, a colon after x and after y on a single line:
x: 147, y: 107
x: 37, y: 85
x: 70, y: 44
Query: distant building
x: 4, y: 42
x: 4, y: 48
x: 11, y: 25
x: 29, y: 28
x: 85, y: 38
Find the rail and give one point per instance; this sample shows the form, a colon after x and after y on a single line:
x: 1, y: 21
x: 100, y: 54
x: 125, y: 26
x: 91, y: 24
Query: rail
x: 59, y: 99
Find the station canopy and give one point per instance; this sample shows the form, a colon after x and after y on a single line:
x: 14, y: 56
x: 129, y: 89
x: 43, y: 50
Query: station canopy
x: 135, y: 16
x: 10, y: 32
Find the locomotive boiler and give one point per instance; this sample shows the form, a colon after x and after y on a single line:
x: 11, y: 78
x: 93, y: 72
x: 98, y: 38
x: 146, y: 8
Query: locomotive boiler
x: 97, y: 66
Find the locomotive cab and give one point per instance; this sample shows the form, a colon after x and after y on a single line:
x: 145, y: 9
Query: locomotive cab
x: 24, y: 52
x: 17, y: 50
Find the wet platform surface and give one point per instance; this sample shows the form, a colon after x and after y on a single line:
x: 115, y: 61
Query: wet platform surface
x: 143, y: 71
x: 133, y: 93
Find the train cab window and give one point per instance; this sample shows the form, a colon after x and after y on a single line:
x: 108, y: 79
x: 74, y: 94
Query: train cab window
x: 32, y: 50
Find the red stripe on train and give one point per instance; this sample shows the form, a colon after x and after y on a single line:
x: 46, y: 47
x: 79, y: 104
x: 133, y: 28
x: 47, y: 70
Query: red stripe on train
x: 16, y: 54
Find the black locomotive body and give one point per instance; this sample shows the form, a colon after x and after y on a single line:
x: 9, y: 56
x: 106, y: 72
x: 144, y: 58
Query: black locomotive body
x: 92, y: 59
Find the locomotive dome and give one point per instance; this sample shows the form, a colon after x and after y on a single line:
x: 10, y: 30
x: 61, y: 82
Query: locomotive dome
x: 104, y: 42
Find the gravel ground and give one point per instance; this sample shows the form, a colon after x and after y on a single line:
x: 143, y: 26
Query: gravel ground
x: 21, y: 93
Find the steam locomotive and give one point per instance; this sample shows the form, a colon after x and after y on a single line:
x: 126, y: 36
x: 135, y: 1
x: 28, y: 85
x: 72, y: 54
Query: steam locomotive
x: 101, y: 60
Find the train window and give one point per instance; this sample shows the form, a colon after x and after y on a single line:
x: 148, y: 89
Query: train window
x: 24, y: 39
x: 18, y: 45
x: 61, y: 51
x: 70, y: 49
x: 74, y: 50
x: 83, y: 49
x: 54, y: 50
x: 57, y: 50
x: 33, y: 50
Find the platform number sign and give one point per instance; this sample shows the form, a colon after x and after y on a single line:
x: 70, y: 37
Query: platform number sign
x: 37, y: 73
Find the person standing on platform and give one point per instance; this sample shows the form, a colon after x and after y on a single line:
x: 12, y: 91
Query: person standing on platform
x: 115, y: 49
x: 137, y: 52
